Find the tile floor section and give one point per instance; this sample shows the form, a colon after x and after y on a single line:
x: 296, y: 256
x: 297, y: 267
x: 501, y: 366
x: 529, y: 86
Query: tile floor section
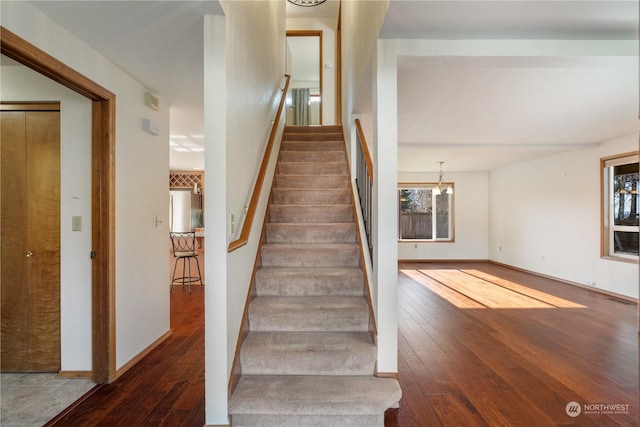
x: 34, y: 399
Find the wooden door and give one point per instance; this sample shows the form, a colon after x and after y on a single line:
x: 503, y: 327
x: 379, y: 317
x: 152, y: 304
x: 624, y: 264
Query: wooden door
x: 30, y: 234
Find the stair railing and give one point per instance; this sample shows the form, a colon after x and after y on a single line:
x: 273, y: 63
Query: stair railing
x: 364, y: 182
x: 257, y: 189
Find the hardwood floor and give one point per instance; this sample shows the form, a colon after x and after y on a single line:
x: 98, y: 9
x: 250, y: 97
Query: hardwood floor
x: 483, y: 345
x: 492, y: 347
x: 166, y: 388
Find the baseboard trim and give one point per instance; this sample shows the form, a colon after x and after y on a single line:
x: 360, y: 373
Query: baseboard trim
x: 131, y: 363
x: 73, y: 406
x: 75, y: 374
x: 568, y: 282
x: 440, y: 261
x: 394, y: 375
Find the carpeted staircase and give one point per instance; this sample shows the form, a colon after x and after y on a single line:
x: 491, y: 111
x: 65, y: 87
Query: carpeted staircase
x: 309, y: 358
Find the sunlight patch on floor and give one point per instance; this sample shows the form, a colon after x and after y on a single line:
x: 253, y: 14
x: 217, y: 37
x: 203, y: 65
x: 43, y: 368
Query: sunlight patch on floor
x: 476, y: 289
x: 525, y: 290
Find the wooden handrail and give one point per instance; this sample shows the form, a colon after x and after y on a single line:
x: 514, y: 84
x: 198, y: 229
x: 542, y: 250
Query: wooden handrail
x: 257, y: 189
x: 365, y: 150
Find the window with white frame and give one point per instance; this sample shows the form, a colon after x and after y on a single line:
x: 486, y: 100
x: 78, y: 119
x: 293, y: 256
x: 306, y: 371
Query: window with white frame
x: 426, y: 211
x: 621, y: 206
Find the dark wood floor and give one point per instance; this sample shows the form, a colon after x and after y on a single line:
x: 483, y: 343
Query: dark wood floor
x: 480, y: 346
x: 477, y: 348
x: 166, y: 388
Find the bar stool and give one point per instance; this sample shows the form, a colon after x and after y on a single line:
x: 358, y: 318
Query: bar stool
x: 184, y: 248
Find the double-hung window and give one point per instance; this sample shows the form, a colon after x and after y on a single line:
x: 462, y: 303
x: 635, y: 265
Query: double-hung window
x: 426, y: 211
x: 621, y: 206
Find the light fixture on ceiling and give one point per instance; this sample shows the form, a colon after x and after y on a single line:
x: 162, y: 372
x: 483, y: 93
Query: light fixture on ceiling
x: 306, y: 3
x: 442, y: 188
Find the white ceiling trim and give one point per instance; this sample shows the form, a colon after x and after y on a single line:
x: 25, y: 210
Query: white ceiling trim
x: 527, y: 147
x: 515, y: 48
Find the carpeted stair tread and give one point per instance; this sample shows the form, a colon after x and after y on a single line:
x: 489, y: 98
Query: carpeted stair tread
x: 310, y: 213
x: 314, y: 395
x: 308, y: 353
x: 310, y: 281
x: 339, y: 232
x: 309, y: 314
x: 304, y: 196
x: 310, y: 255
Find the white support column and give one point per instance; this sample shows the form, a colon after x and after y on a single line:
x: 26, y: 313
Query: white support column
x: 385, y: 190
x: 215, y: 130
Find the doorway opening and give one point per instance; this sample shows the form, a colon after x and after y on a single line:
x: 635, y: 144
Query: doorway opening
x: 102, y: 193
x: 304, y: 64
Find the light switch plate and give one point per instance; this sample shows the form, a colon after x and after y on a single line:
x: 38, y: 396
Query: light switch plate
x: 76, y: 223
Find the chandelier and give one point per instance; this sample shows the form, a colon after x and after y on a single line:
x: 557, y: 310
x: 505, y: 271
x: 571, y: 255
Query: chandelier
x: 442, y: 187
x: 306, y: 3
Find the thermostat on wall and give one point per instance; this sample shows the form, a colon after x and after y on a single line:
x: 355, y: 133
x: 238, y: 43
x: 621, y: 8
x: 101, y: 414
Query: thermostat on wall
x: 150, y: 127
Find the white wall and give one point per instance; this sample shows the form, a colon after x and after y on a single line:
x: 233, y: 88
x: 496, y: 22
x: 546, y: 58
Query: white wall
x: 328, y: 28
x: 369, y: 73
x: 249, y: 42
x: 361, y: 23
x: 23, y: 84
x: 215, y: 131
x: 142, y: 171
x: 471, y: 219
x: 545, y: 217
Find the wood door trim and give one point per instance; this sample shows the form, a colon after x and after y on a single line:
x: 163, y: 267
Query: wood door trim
x: 103, y: 192
x: 30, y: 106
x: 339, y: 67
x: 312, y: 33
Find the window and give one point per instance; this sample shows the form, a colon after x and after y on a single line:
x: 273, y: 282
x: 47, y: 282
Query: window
x: 620, y: 206
x: 426, y: 211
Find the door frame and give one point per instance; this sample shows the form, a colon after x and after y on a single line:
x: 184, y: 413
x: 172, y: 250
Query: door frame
x: 312, y: 33
x: 102, y: 193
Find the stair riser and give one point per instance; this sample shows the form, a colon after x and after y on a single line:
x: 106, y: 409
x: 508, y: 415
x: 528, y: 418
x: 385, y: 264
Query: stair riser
x: 316, y: 320
x: 314, y: 197
x: 308, y: 136
x: 310, y: 214
x: 313, y: 156
x: 315, y: 353
x: 294, y: 420
x: 311, y: 256
x: 311, y: 233
x: 309, y: 289
x: 312, y: 168
x: 319, y: 282
x: 312, y: 181
x: 312, y: 146
x: 301, y: 366
x: 314, y: 129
